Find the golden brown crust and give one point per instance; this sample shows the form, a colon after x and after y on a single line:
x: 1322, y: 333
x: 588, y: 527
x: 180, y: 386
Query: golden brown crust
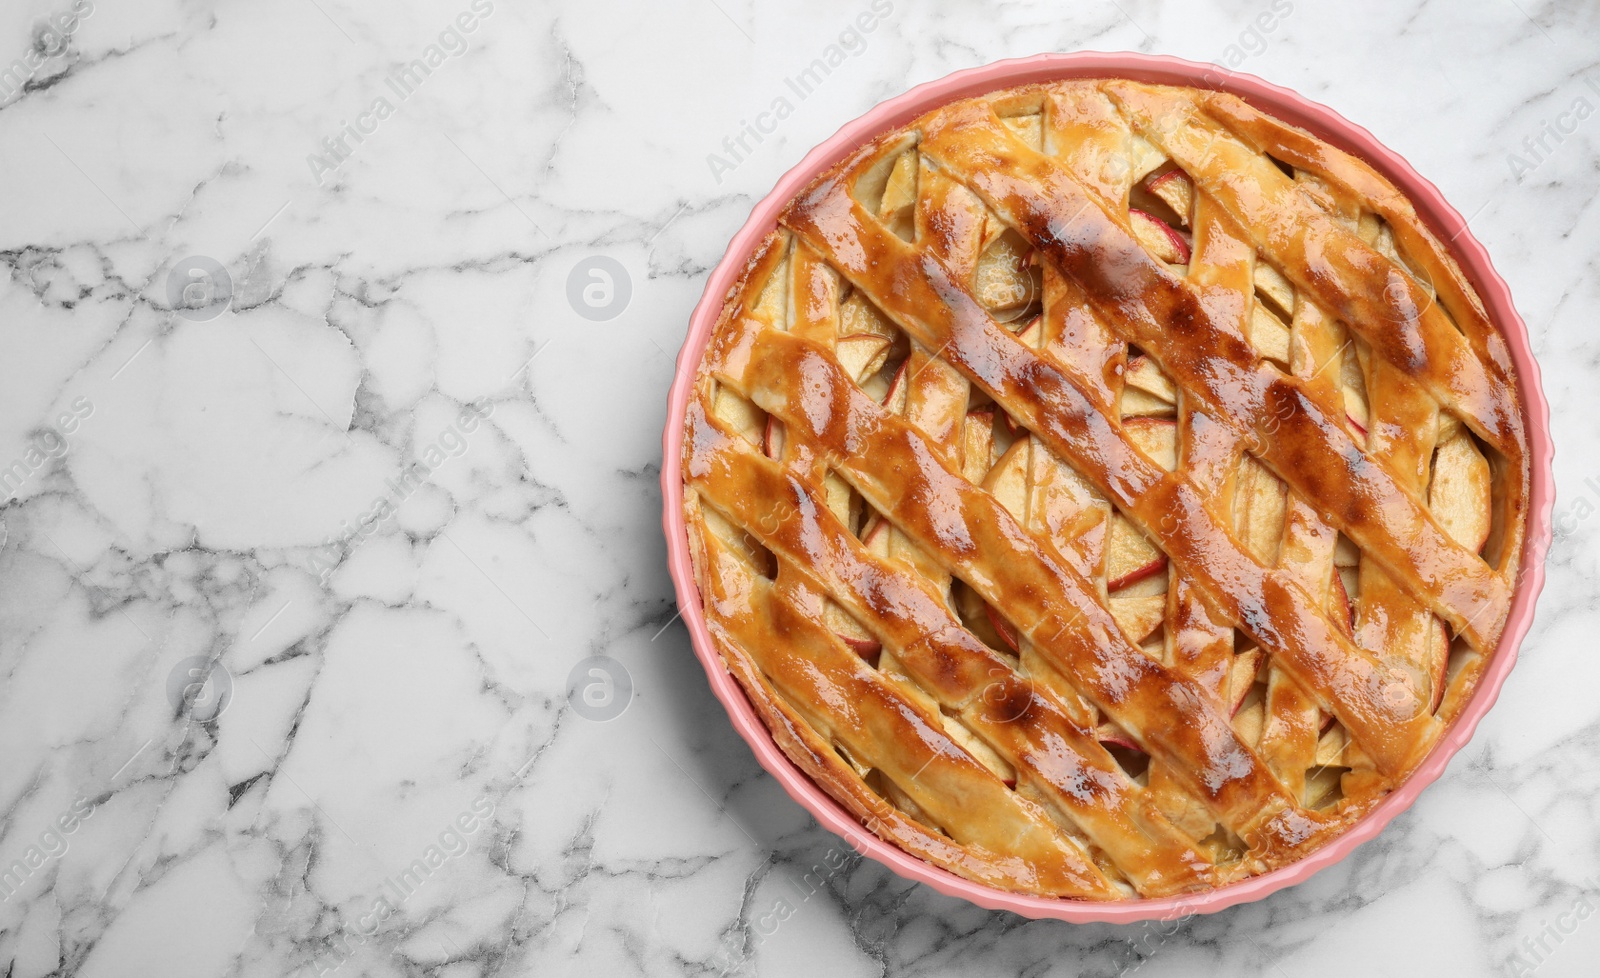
x: 1089, y: 485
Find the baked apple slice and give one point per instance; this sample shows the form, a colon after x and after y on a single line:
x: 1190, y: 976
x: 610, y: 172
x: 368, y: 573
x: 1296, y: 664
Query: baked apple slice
x: 1350, y: 581
x: 1160, y: 237
x: 1111, y: 735
x: 1004, y: 280
x: 1260, y: 504
x: 1130, y: 557
x: 1277, y: 289
x: 1033, y: 333
x: 1144, y: 374
x: 1003, y: 628
x: 1242, y: 674
x: 1436, y: 661
x: 1137, y: 403
x: 741, y: 415
x: 841, y: 500
x: 772, y: 438
x: 1357, y: 412
x: 1322, y: 786
x: 1331, y: 746
x: 1140, y: 616
x: 862, y: 354
x: 1008, y: 480
x: 1345, y: 552
x: 1269, y: 335
x: 1249, y: 712
x: 894, y: 399
x: 898, y: 206
x: 1176, y: 190
x: 977, y: 440
x: 857, y: 315
x: 875, y: 537
x: 1344, y: 614
x: 1459, y: 493
x: 1156, y: 438
x: 850, y: 632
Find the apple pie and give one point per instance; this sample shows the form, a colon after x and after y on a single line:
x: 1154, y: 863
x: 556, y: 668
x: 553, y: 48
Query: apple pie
x: 1105, y: 490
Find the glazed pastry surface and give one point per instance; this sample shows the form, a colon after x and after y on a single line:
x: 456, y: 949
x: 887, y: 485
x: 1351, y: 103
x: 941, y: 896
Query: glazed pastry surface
x: 1105, y: 490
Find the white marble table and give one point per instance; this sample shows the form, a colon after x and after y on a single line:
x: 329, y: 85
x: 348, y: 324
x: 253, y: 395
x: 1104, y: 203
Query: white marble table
x: 375, y: 495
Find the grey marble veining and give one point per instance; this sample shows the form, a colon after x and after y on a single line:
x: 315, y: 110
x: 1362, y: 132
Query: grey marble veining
x: 305, y: 547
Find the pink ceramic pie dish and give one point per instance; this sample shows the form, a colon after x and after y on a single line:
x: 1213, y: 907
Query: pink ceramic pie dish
x: 1442, y: 219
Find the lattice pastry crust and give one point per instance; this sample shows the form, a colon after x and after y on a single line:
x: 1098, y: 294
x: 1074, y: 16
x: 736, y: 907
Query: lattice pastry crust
x: 1105, y: 490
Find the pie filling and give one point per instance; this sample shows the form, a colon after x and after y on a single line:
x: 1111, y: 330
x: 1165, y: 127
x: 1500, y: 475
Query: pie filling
x: 1105, y: 490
